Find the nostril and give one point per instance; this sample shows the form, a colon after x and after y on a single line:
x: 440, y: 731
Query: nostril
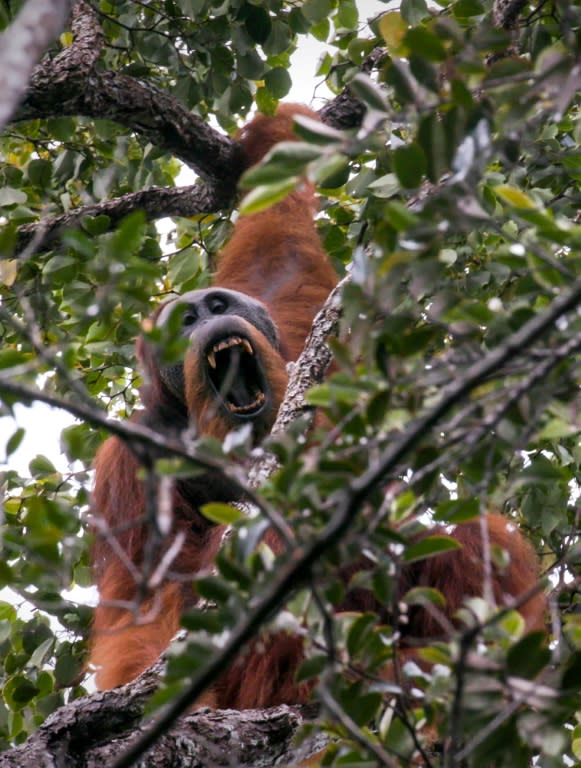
x: 217, y: 305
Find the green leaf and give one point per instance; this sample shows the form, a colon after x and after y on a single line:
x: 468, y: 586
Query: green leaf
x: 223, y: 514
x: 514, y: 196
x: 9, y: 358
x: 347, y: 15
x: 431, y: 546
x: 278, y: 82
x: 213, y: 588
x: 423, y: 596
x: 68, y: 669
x: 425, y: 43
x: 556, y: 429
x: 178, y: 468
x: 364, y: 708
x: 464, y: 9
x: 359, y: 631
x: 370, y: 93
x: 257, y: 23
x: 130, y: 233
x: 97, y: 225
x: 262, y: 197
x: 457, y: 510
x: 316, y: 132
x: 10, y: 196
x: 541, y: 470
x: 40, y: 466
x: 409, y: 163
x: 287, y: 159
x: 433, y: 140
x: 250, y: 65
x: 321, y: 30
x: 414, y: 11
x: 7, y: 612
x: 311, y: 667
x: 206, y: 621
x: 18, y: 692
x: 331, y: 172
x: 400, y: 217
x: 393, y: 28
x: 233, y: 570
x: 14, y: 441
x: 183, y: 266
x: 41, y: 653
x: 280, y: 38
x: 39, y: 172
x: 529, y: 656
x: 265, y: 101
x: 80, y: 442
x: 316, y: 10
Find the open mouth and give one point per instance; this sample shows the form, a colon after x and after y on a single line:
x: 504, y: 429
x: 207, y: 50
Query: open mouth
x: 235, y: 375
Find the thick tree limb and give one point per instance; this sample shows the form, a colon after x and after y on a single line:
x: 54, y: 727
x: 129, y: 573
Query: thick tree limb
x: 155, y: 202
x: 309, y: 369
x: 90, y: 732
x: 70, y: 84
x: 21, y: 46
x: 506, y: 12
x: 145, y: 109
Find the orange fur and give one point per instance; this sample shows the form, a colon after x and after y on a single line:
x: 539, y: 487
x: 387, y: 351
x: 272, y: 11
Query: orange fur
x: 276, y: 257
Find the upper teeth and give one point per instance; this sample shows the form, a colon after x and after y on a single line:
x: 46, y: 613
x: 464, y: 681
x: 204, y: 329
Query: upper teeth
x: 233, y: 341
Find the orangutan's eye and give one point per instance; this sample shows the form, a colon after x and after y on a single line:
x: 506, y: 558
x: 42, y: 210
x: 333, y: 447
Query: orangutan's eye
x: 190, y: 317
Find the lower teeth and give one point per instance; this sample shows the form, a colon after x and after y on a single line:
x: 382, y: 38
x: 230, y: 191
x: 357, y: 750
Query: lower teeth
x: 246, y: 408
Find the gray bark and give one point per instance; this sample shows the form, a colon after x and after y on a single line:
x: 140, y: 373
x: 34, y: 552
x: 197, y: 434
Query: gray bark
x: 21, y: 46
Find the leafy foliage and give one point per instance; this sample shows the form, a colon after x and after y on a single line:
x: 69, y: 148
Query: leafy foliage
x: 455, y: 207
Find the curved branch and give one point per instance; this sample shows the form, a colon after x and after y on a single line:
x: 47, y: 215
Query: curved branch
x: 143, y: 108
x: 21, y: 46
x: 70, y: 84
x: 155, y: 202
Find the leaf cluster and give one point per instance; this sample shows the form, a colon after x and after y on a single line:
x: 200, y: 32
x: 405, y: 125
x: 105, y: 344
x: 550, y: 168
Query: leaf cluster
x: 454, y: 208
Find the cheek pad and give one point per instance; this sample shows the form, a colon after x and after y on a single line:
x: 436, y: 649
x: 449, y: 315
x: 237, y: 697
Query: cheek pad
x: 173, y: 378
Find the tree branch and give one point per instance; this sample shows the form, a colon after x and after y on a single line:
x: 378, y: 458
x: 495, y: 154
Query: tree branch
x: 70, y: 84
x: 91, y: 731
x: 155, y: 202
x: 346, y: 504
x: 506, y: 12
x: 309, y: 369
x: 21, y: 46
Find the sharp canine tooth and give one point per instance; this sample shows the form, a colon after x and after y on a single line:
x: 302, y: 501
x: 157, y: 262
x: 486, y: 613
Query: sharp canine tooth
x: 247, y: 346
x: 211, y: 358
